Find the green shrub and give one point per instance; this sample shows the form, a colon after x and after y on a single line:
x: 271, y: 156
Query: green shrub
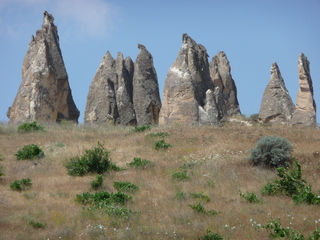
x: 97, y: 183
x: 272, y: 151
x: 141, y: 128
x: 37, y: 225
x: 125, y: 186
x: 199, y: 208
x: 251, y: 197
x: 30, y: 127
x: 292, y: 184
x: 161, y: 144
x: 180, y: 176
x: 200, y: 196
x: 140, y: 163
x: 20, y: 185
x: 211, y: 236
x: 30, y: 152
x: 95, y: 160
x: 181, y: 195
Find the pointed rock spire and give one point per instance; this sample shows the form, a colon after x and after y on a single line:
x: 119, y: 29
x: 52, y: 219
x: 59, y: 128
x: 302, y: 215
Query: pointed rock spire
x: 44, y: 94
x: 305, y: 110
x: 276, y: 105
x: 146, y: 97
x: 220, y: 72
x: 186, y: 84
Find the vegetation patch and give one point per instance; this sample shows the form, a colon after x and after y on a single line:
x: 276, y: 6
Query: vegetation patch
x: 291, y: 184
x: 180, y: 176
x: 211, y: 236
x: 141, y: 128
x: 199, y: 208
x: 37, y: 225
x: 200, y: 196
x: 97, y: 183
x: 1, y: 169
x: 158, y: 134
x: 95, y: 160
x: 272, y: 151
x: 20, y: 185
x: 251, y: 197
x: 31, y: 151
x: 140, y: 163
x: 30, y: 127
x: 125, y: 186
x: 161, y: 144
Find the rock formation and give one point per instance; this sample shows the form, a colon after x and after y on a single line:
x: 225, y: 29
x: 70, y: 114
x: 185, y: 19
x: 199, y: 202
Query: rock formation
x: 220, y: 72
x: 305, y: 110
x: 110, y: 94
x: 276, y: 105
x: 44, y: 94
x: 123, y: 92
x: 146, y: 97
x: 189, y: 95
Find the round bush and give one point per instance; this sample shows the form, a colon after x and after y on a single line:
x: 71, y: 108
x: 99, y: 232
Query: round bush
x: 272, y: 151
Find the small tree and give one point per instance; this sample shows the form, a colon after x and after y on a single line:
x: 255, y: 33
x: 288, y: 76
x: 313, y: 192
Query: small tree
x: 272, y: 151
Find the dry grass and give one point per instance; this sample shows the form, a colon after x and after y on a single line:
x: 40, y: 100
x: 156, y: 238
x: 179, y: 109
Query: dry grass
x: 220, y: 170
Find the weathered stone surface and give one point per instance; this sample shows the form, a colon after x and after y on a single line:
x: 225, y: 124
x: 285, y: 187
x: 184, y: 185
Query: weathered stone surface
x: 305, y: 110
x: 276, y: 105
x: 146, y: 97
x: 186, y: 85
x: 110, y: 94
x: 44, y: 94
x: 220, y: 72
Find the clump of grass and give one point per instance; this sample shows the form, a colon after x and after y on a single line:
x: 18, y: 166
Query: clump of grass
x: 30, y: 127
x: 158, y: 134
x: 181, y: 195
x: 140, y: 163
x: 200, y: 196
x: 37, y: 225
x: 161, y: 144
x: 251, y: 197
x: 20, y: 185
x: 211, y: 236
x: 125, y: 186
x: 199, y: 208
x: 95, y: 160
x: 97, y: 183
x: 188, y: 165
x: 141, y: 128
x: 180, y: 176
x: 1, y: 169
x: 272, y: 151
x: 31, y: 151
x: 107, y: 202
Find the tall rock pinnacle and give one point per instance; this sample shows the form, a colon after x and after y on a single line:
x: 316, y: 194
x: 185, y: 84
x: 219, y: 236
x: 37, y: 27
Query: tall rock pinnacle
x: 146, y: 97
x: 276, y: 105
x: 44, y: 94
x: 305, y: 110
x: 186, y: 85
x: 220, y: 72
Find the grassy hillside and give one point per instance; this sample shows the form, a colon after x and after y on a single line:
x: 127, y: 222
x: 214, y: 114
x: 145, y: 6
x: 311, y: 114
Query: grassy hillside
x: 214, y: 158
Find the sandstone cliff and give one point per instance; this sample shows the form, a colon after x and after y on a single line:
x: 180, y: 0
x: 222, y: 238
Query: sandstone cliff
x: 44, y: 94
x: 190, y: 95
x: 276, y: 105
x: 305, y: 110
x: 220, y: 72
x: 146, y: 97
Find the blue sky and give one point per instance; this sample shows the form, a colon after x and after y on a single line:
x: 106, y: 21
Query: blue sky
x: 253, y: 34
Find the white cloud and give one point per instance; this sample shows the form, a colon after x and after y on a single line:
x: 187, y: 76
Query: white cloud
x: 92, y: 17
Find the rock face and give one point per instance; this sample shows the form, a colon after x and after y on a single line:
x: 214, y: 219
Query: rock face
x: 220, y: 72
x: 190, y: 94
x: 123, y: 92
x: 146, y: 97
x: 276, y: 105
x: 305, y: 110
x: 44, y: 94
x: 110, y: 95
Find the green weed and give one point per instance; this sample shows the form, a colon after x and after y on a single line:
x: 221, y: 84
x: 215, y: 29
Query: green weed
x: 251, y: 197
x: 30, y: 127
x: 37, y: 225
x: 140, y: 163
x: 211, y: 236
x: 180, y: 176
x: 97, y: 183
x: 161, y: 144
x: 30, y: 152
x: 20, y: 185
x: 141, y: 128
x: 125, y: 186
